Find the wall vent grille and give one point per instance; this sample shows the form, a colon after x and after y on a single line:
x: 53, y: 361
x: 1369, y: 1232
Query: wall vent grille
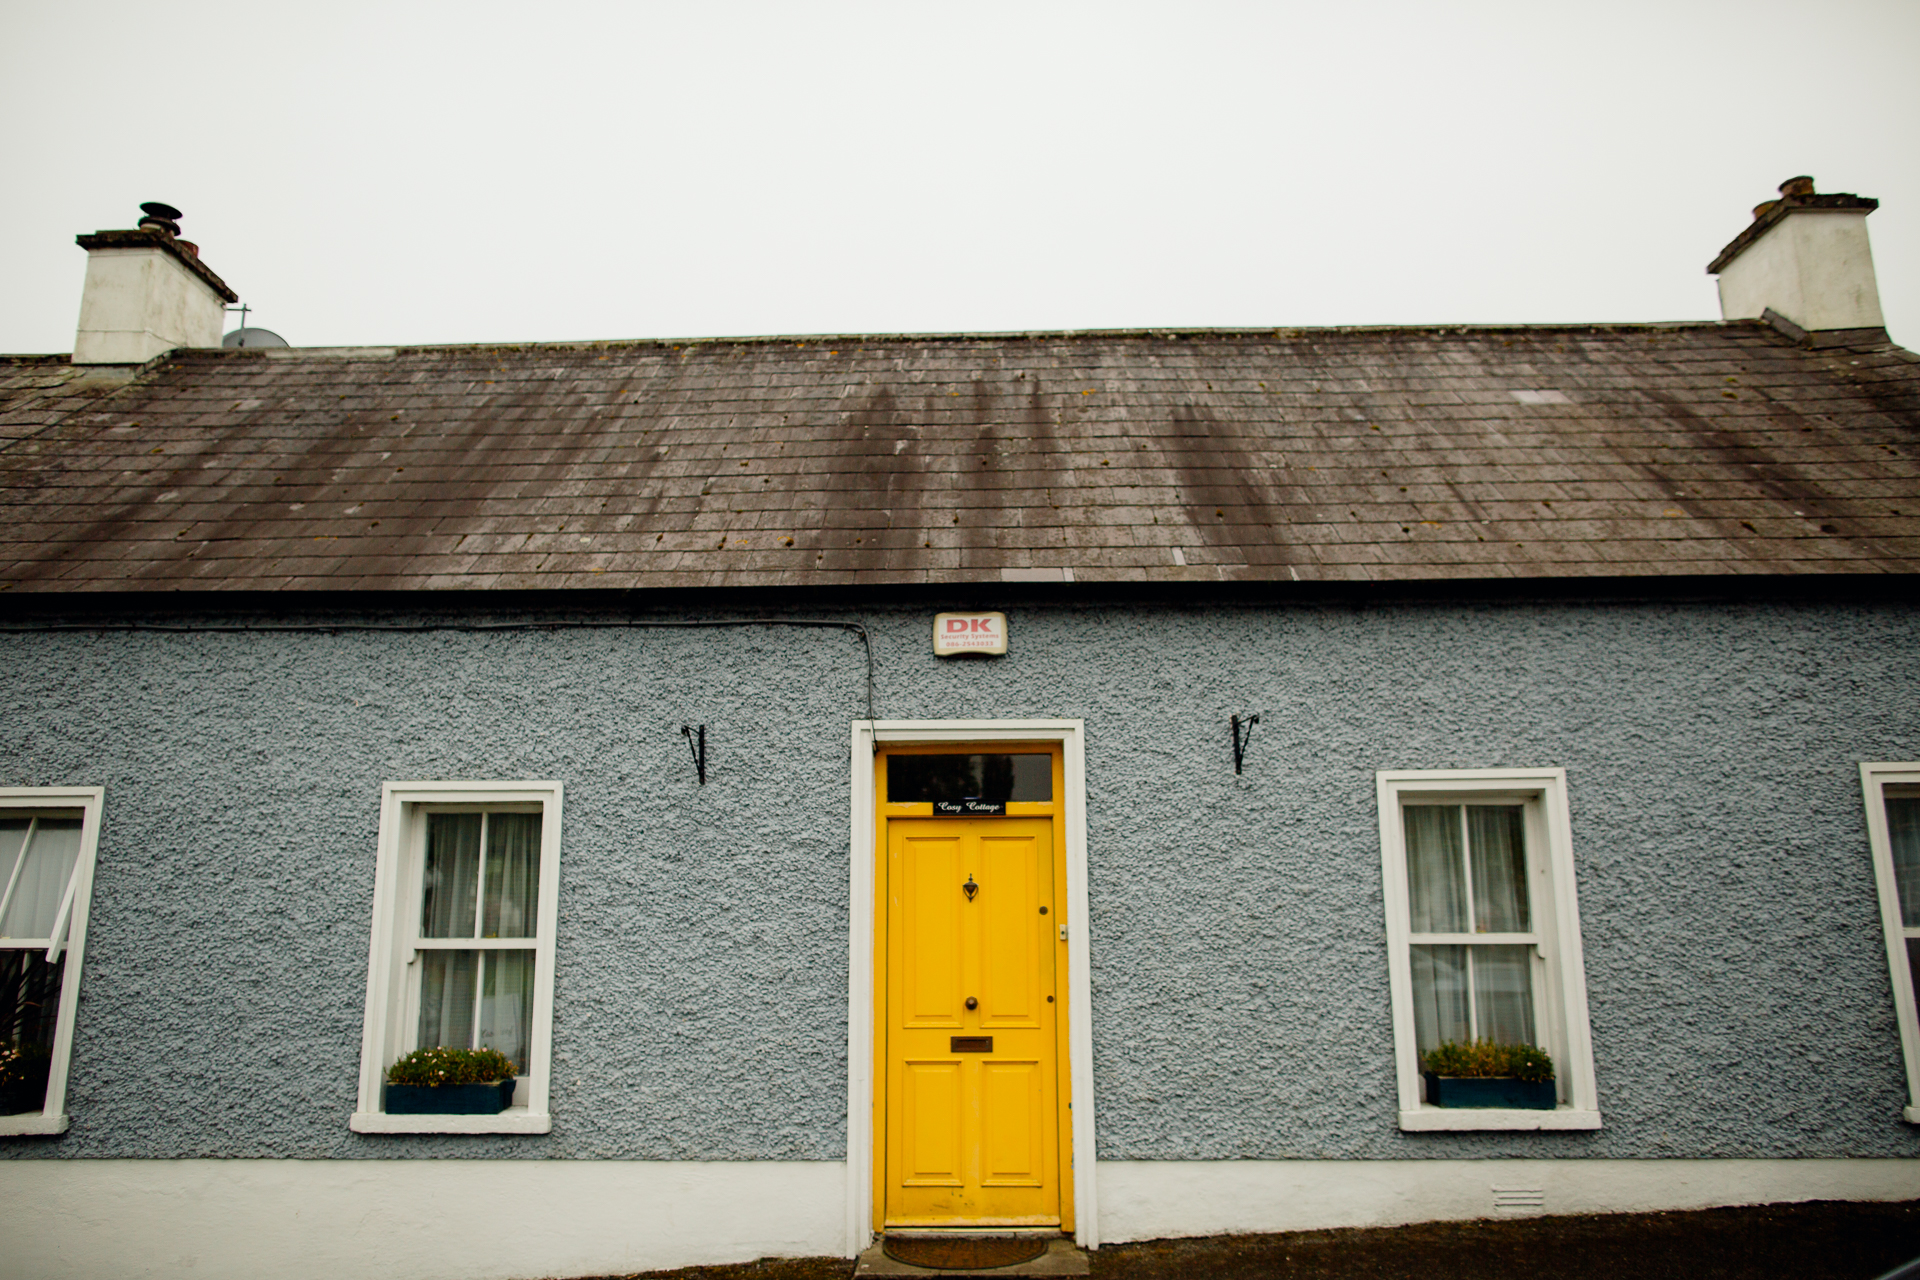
x: 1519, y: 1199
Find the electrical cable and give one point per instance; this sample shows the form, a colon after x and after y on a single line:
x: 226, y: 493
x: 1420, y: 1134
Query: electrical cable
x: 297, y: 628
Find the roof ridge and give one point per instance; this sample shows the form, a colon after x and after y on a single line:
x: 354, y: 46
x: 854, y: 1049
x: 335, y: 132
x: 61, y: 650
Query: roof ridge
x: 387, y: 350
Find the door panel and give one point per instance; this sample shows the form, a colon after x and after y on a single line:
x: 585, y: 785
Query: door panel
x: 930, y: 867
x: 1009, y: 965
x: 932, y: 1103
x: 970, y: 1137
x: 1010, y: 1124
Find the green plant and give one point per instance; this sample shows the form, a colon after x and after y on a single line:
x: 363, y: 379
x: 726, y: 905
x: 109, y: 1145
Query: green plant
x: 23, y: 1078
x: 451, y: 1066
x: 1483, y: 1059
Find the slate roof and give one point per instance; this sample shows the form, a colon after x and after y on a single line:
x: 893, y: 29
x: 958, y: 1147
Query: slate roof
x: 1289, y: 456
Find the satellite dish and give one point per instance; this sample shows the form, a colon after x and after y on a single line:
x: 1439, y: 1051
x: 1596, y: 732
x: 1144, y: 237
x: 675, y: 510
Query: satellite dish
x: 253, y: 338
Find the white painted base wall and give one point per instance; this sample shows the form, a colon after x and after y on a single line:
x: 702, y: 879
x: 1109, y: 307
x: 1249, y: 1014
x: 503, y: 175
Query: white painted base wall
x: 521, y: 1219
x: 1151, y: 1200
x: 409, y: 1219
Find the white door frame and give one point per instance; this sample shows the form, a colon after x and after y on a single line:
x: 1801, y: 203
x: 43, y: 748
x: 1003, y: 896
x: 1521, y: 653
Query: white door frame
x: 867, y: 735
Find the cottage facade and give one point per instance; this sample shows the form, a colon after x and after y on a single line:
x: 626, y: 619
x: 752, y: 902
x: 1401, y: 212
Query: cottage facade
x: 582, y: 701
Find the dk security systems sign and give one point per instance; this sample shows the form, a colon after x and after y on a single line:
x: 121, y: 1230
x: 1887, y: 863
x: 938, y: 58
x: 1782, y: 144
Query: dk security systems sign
x: 956, y: 633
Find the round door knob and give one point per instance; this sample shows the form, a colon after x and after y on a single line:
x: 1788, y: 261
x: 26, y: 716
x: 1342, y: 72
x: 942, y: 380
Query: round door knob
x: 972, y: 1003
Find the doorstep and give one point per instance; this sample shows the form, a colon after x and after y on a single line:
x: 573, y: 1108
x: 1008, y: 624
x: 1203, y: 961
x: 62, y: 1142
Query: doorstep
x: 1062, y: 1258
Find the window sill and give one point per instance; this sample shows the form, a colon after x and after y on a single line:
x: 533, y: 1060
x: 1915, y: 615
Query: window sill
x: 32, y: 1124
x: 1910, y: 1114
x: 1427, y: 1119
x: 512, y: 1120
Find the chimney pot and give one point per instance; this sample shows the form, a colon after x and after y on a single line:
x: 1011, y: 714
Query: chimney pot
x: 161, y: 217
x: 1800, y: 186
x: 1764, y: 208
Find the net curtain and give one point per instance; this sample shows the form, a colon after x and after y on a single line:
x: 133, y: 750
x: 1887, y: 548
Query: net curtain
x: 34, y: 871
x: 481, y: 998
x: 1466, y: 873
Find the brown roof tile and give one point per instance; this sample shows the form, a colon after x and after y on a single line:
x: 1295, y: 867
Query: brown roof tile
x: 1295, y: 455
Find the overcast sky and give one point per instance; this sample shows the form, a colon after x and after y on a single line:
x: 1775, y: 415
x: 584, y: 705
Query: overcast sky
x: 414, y: 173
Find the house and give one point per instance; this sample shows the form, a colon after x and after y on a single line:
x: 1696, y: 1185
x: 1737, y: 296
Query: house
x: 1316, y: 696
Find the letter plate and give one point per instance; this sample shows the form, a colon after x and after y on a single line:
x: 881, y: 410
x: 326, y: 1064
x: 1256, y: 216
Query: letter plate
x: 971, y: 1044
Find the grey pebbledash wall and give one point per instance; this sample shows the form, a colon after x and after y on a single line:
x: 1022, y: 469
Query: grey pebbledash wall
x: 1735, y: 964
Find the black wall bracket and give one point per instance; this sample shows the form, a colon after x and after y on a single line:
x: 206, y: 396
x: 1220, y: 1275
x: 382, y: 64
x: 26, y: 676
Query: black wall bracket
x: 699, y: 752
x: 1240, y: 741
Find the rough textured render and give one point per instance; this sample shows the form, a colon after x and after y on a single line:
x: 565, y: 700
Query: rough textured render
x: 1293, y: 455
x: 1239, y: 963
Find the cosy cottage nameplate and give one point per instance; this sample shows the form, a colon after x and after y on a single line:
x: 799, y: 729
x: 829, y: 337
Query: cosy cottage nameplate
x: 957, y: 633
x: 971, y: 808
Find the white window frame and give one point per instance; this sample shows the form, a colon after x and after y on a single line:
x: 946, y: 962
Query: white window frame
x: 393, y: 973
x: 1560, y: 990
x: 69, y: 938
x: 1875, y: 780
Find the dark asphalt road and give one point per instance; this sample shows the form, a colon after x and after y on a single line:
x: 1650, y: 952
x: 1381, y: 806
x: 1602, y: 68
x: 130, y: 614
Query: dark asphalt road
x: 1819, y: 1241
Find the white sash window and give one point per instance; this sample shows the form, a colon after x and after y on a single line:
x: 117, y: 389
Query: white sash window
x: 1483, y: 933
x: 1472, y: 948
x: 1893, y: 832
x: 48, y: 838
x: 478, y: 937
x: 462, y: 954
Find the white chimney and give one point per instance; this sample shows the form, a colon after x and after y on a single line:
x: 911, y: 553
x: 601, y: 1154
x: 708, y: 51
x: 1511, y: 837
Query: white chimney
x: 147, y: 292
x: 1805, y: 258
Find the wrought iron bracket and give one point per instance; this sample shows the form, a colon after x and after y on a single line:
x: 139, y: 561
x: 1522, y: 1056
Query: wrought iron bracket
x: 698, y: 752
x: 1240, y: 741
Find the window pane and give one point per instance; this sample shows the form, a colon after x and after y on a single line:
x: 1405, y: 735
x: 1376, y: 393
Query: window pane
x: 29, y: 1006
x: 921, y: 779
x: 1503, y: 994
x: 1439, y: 996
x: 1496, y: 838
x: 446, y: 998
x: 13, y: 834
x: 46, y: 867
x: 513, y: 876
x: 1903, y: 833
x: 452, y: 878
x: 506, y: 1006
x: 1436, y: 877
x: 1913, y: 963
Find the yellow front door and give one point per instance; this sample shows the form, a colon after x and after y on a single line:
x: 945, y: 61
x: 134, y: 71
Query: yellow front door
x: 972, y: 1130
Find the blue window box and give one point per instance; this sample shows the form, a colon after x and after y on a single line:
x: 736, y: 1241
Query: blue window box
x: 1494, y: 1091
x: 449, y: 1099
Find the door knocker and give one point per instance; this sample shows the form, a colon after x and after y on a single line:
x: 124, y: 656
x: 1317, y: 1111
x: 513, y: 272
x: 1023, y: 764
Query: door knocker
x: 970, y: 888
